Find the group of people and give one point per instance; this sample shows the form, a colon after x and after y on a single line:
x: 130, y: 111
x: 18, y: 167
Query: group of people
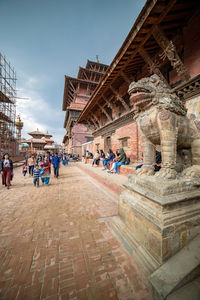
x: 40, y: 167
x: 111, y: 161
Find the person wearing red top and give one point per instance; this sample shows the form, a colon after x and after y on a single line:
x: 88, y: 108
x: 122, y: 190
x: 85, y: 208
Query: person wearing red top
x: 24, y: 169
x: 45, y: 177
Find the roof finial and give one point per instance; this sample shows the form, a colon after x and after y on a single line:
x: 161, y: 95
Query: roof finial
x: 97, y: 58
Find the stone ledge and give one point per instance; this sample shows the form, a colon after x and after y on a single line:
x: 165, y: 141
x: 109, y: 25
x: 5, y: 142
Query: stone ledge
x: 160, y: 190
x: 189, y: 291
x: 124, y: 169
x: 185, y: 265
x: 146, y: 261
x: 110, y: 181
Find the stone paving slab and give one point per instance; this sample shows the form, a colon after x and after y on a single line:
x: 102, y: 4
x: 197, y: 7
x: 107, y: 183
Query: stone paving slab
x: 55, y: 242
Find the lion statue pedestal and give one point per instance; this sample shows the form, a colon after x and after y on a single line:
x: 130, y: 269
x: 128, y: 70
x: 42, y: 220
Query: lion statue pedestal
x: 159, y: 213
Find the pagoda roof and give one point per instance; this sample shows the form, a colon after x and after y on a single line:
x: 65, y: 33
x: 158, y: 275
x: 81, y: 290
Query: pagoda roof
x: 85, y: 73
x: 37, y: 132
x: 70, y: 89
x: 35, y: 141
x: 90, y: 64
x: 47, y: 134
x: 48, y: 140
x: 170, y: 16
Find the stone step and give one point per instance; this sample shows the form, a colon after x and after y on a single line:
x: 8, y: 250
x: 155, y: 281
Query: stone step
x: 124, y: 169
x: 146, y: 262
x: 189, y: 291
x: 179, y: 270
x: 113, y: 182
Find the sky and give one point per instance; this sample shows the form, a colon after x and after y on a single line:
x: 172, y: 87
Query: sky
x: 47, y: 39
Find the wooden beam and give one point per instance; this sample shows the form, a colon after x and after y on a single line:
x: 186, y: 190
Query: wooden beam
x: 125, y: 77
x: 127, y: 108
x: 165, y: 11
x: 86, y: 77
x: 109, y: 104
x: 154, y: 68
x: 71, y: 84
x: 169, y: 51
x: 97, y: 120
x: 91, y: 120
x: 105, y: 113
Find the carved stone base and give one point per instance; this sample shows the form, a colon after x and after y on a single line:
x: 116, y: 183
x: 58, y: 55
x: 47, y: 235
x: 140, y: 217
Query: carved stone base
x: 159, y: 218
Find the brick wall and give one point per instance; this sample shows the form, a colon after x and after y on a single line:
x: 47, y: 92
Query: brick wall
x: 80, y: 133
x: 127, y: 134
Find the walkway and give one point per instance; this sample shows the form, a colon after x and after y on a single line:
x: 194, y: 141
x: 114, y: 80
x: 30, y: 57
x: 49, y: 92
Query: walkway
x: 55, y: 243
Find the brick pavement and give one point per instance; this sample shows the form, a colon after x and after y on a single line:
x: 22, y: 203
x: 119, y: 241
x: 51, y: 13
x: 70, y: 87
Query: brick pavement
x: 55, y: 243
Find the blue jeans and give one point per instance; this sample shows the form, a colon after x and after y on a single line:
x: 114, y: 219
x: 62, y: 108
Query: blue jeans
x: 106, y: 162
x: 45, y: 180
x: 56, y: 171
x: 63, y: 162
x: 67, y: 161
x: 31, y: 168
x: 24, y: 172
x: 96, y: 162
x: 117, y: 164
x: 36, y: 181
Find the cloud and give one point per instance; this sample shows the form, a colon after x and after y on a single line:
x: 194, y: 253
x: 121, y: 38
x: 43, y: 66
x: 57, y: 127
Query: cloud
x: 36, y: 112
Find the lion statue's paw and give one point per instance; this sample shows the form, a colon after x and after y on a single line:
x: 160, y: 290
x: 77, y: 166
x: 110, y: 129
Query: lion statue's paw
x: 191, y: 172
x: 166, y: 173
x: 146, y: 171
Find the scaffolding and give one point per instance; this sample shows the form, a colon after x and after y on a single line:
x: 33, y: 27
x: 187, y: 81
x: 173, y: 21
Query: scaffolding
x: 8, y: 133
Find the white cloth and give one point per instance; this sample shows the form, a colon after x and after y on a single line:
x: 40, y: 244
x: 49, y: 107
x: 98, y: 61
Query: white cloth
x: 6, y: 163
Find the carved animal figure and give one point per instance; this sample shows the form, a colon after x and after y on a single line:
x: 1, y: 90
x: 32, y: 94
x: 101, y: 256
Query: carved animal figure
x: 161, y: 118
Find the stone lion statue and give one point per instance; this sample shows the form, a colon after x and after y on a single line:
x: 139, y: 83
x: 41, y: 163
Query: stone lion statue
x: 161, y: 118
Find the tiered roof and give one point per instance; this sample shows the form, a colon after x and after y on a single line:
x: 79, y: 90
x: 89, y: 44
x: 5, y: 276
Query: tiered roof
x: 47, y: 135
x: 35, y: 133
x: 88, y: 76
x: 48, y: 141
x: 35, y: 141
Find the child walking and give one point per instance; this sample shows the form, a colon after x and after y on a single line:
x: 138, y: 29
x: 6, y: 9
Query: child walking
x: 24, y: 169
x: 36, y: 175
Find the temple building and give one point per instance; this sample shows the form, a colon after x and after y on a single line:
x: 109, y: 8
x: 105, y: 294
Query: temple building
x: 165, y: 40
x: 36, y: 142
x: 48, y: 140
x: 77, y: 92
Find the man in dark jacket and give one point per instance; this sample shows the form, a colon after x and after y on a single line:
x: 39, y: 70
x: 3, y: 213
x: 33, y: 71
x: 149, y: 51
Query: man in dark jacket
x: 56, y: 164
x: 121, y: 159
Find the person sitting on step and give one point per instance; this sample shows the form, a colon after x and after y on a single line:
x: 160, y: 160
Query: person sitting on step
x: 96, y: 158
x: 109, y: 158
